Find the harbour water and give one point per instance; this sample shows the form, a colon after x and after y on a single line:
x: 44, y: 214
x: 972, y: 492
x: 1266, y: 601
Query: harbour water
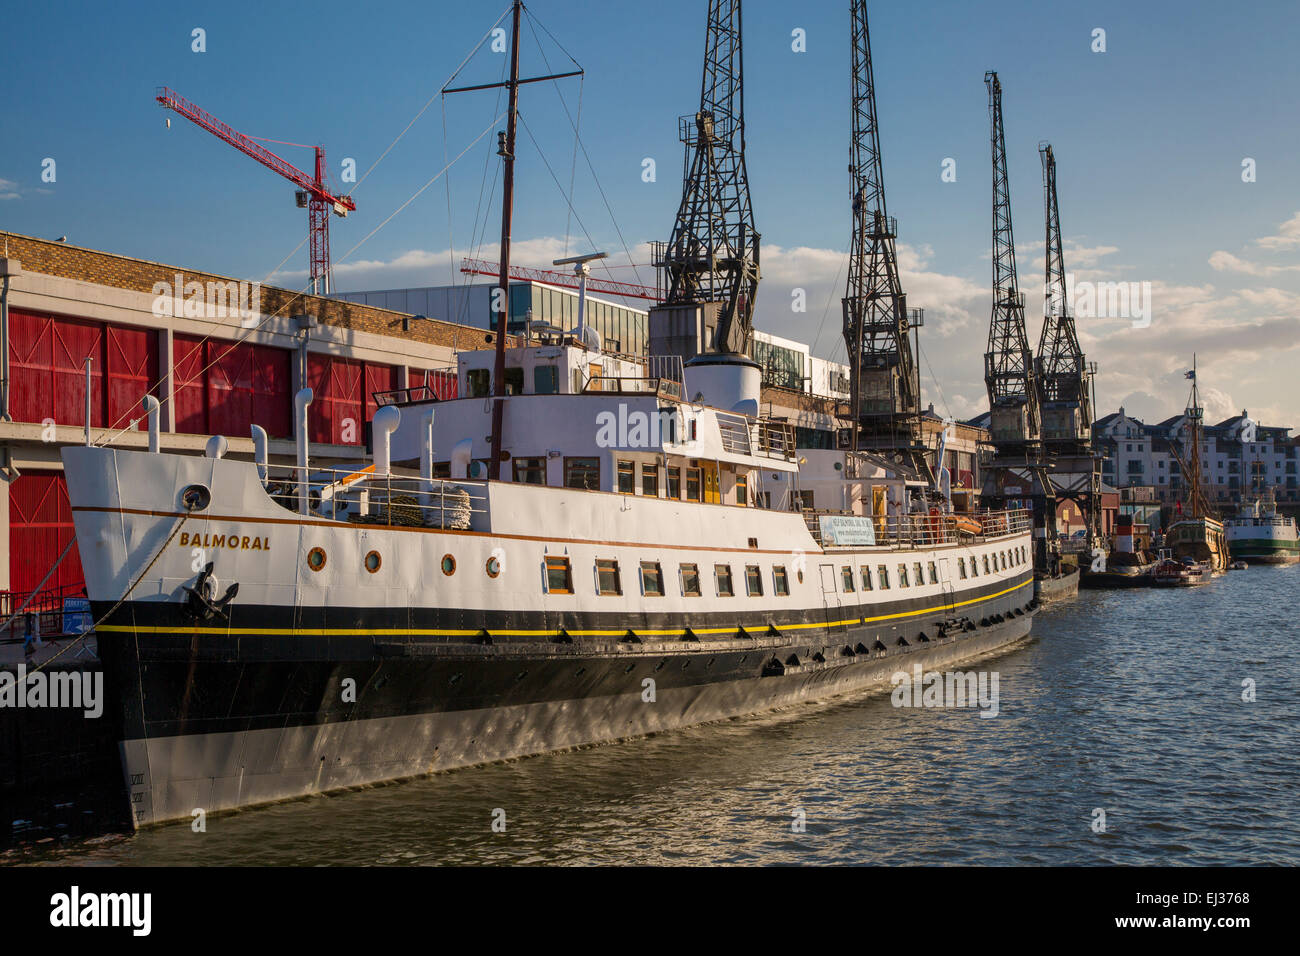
x: 1130, y: 702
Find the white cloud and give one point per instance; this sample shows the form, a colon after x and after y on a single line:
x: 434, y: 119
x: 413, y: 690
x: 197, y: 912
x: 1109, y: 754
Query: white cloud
x: 1288, y: 235
x: 1222, y: 261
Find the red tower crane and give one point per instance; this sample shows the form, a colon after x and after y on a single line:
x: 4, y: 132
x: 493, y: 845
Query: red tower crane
x: 311, y: 193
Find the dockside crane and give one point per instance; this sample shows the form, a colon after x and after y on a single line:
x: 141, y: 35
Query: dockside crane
x: 884, y: 383
x: 1014, y: 413
x: 1064, y: 377
x: 312, y: 192
x: 710, y: 266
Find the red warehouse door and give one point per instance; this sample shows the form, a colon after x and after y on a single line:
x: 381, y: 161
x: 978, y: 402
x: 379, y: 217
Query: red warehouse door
x: 40, y: 525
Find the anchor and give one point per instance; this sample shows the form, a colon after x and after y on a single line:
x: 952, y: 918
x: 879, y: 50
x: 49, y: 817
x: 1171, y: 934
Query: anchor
x: 200, y: 603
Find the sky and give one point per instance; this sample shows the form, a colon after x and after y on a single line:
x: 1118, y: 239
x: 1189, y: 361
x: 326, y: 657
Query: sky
x: 1177, y: 148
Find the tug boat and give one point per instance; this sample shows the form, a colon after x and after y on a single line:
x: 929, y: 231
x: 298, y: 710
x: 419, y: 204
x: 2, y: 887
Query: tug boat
x: 1258, y: 534
x: 1129, y: 562
x: 271, y: 631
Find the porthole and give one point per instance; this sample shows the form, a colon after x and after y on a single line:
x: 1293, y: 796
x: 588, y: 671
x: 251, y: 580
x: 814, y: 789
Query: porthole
x: 448, y: 565
x: 373, y: 561
x: 316, y: 559
x: 800, y: 574
x: 493, y: 566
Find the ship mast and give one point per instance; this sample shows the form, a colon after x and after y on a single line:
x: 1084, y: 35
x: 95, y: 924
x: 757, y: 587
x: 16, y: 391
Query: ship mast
x: 506, y: 150
x: 1198, y: 507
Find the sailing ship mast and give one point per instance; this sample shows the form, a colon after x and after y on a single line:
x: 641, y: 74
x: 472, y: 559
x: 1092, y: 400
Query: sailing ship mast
x: 1198, y: 506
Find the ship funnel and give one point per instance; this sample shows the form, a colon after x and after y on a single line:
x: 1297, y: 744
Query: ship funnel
x: 300, y: 403
x: 259, y: 450
x: 382, y: 426
x: 216, y: 447
x: 723, y: 381
x: 151, y: 410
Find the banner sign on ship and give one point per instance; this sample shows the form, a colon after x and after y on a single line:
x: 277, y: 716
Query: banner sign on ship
x: 846, y: 530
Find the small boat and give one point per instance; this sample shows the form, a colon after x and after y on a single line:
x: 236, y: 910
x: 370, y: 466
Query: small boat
x: 1128, y: 562
x: 1185, y: 573
x: 1239, y: 565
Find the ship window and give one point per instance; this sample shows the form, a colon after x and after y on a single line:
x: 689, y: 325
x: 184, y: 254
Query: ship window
x: 674, y: 475
x: 652, y: 579
x: 742, y: 490
x: 961, y: 568
x: 607, y: 580
x: 626, y: 477
x: 559, y: 577
x: 530, y: 471
x: 650, y: 481
x: 514, y: 381
x: 780, y: 581
x: 918, y: 576
x: 546, y: 379
x: 690, y: 580
x: 866, y: 577
x: 753, y: 580
x: 974, y: 569
x: 934, y: 574
x: 902, y: 576
x: 882, y: 575
x: 722, y: 575
x: 582, y: 473
x: 846, y: 576
x: 480, y: 382
x: 692, y: 484
x: 986, y: 564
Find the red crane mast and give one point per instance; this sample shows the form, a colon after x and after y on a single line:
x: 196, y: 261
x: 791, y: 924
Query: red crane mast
x: 312, y: 193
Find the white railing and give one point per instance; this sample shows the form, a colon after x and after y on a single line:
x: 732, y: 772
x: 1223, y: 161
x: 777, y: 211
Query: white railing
x: 360, y: 496
x: 735, y: 433
x: 919, y: 530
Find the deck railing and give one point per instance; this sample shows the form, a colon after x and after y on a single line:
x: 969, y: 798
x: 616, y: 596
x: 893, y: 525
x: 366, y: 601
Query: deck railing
x: 910, y: 531
x: 361, y: 496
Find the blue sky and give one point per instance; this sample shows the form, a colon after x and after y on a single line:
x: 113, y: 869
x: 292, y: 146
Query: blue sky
x: 1150, y: 136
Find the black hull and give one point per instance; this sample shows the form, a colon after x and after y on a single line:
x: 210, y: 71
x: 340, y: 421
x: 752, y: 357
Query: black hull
x: 217, y: 721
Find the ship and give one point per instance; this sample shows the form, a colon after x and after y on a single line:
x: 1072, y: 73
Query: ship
x: 1197, y: 536
x: 1258, y: 534
x: 272, y: 632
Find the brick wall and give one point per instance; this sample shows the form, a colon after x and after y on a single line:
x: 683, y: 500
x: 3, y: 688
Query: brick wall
x: 139, y: 275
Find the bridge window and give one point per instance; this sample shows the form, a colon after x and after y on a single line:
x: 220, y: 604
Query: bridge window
x: 961, y: 568
x: 934, y: 574
x: 480, y: 382
x: 674, y: 478
x: 753, y: 580
x: 650, y: 481
x: 882, y: 575
x: 846, y: 575
x: 919, y: 575
x: 902, y: 576
x: 866, y: 577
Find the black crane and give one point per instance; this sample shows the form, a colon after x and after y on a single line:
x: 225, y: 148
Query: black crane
x: 1064, y: 377
x: 711, y: 261
x: 883, y: 379
x: 1014, y: 413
